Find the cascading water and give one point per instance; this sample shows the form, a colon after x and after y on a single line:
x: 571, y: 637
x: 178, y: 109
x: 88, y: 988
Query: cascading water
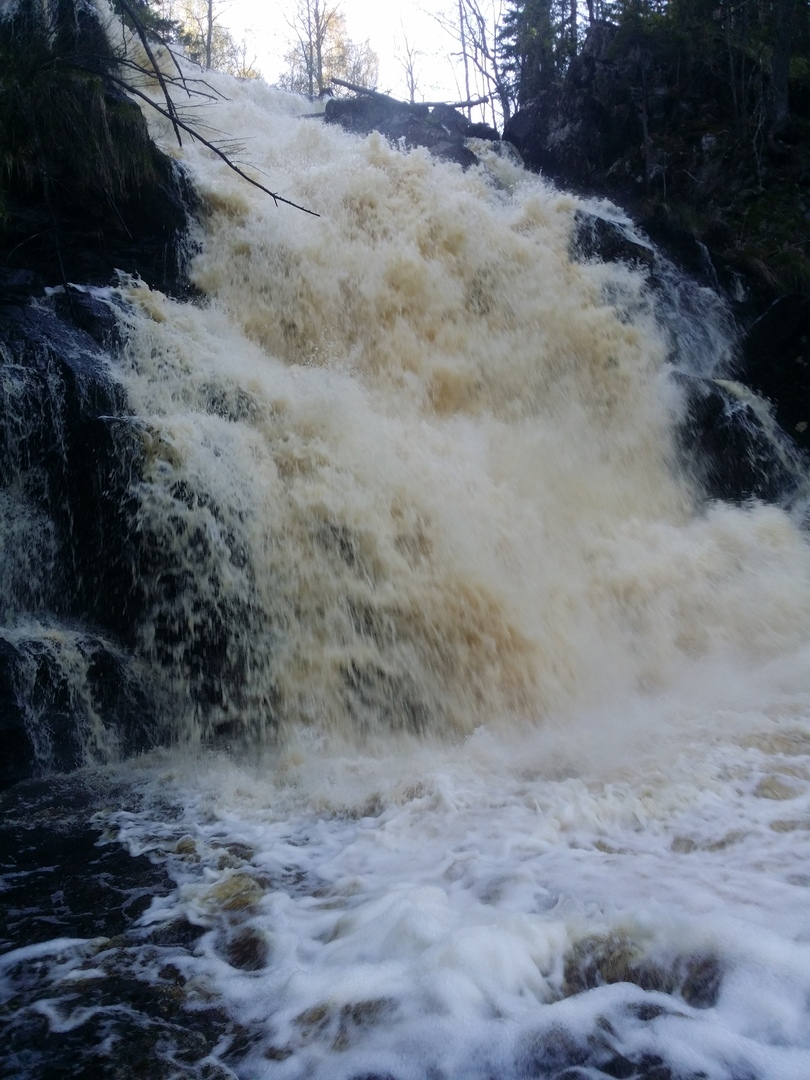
x: 526, y: 787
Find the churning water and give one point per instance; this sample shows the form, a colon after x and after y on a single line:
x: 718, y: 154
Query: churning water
x: 527, y: 778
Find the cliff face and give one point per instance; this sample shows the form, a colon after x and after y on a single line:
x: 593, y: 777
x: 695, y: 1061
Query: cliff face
x: 690, y: 159
x: 83, y: 190
x: 670, y: 140
x: 84, y: 193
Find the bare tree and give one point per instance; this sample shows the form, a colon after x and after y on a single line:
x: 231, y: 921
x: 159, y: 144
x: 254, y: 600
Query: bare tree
x: 205, y: 40
x: 465, y: 56
x: 127, y: 71
x: 408, y: 58
x: 482, y: 20
x: 474, y: 25
x: 323, y: 50
x: 312, y: 23
x: 244, y: 61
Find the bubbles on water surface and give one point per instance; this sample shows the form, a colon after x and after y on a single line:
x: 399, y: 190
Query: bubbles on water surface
x: 539, y: 806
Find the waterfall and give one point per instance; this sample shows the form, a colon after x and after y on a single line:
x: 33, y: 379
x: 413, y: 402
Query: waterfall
x: 412, y: 467
x: 487, y: 733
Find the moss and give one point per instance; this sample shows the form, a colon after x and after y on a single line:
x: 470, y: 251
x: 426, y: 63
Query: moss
x: 83, y: 190
x: 62, y: 137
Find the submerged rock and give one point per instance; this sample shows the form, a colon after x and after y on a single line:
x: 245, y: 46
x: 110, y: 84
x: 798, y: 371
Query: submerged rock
x: 98, y: 994
x: 602, y: 960
x: 600, y: 238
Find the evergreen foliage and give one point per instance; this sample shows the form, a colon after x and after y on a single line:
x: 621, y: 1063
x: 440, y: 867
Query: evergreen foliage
x: 696, y: 112
x: 536, y: 45
x: 758, y: 49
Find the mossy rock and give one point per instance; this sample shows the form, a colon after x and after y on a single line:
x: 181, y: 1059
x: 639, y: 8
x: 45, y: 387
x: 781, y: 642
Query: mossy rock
x: 605, y: 959
x: 83, y: 190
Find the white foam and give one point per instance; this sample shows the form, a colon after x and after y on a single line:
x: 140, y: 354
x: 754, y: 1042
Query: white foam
x: 531, y: 701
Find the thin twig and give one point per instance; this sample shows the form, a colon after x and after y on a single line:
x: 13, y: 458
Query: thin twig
x: 183, y: 83
x: 194, y: 133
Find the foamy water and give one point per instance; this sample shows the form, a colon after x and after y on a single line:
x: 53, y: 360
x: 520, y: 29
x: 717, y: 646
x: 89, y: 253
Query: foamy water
x: 526, y: 785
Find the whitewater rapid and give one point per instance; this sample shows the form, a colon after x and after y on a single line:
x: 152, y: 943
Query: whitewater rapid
x: 511, y: 766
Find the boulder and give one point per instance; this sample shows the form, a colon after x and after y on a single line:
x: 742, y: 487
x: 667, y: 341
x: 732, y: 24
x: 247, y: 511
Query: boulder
x: 578, y: 131
x: 441, y: 129
x: 608, y: 240
x: 732, y: 446
x: 67, y: 697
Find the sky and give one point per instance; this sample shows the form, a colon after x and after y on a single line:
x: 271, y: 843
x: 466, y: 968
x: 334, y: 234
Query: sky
x: 385, y: 25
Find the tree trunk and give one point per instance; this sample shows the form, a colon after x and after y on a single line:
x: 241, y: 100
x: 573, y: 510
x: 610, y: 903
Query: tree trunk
x: 209, y: 34
x: 464, y: 55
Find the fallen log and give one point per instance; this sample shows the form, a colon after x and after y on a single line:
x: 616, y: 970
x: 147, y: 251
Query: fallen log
x: 396, y: 101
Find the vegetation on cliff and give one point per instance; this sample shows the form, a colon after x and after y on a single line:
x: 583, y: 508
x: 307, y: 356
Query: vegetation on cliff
x: 696, y: 113
x: 82, y: 187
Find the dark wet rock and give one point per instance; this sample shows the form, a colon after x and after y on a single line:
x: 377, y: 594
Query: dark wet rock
x: 54, y: 374
x: 89, y: 313
x: 68, y: 884
x: 17, y: 285
x: 574, y: 131
x: 619, y: 1067
x: 600, y: 238
x: 66, y: 694
x: 648, y: 1067
x: 601, y: 960
x: 246, y: 949
x: 776, y: 363
x: 700, y: 978
x: 68, y: 227
x: 732, y: 445
x: 338, y: 1027
x: 62, y: 880
x: 631, y: 123
x: 647, y: 1010
x: 132, y: 1031
x: 18, y: 754
x: 555, y: 1053
x: 139, y: 596
x: 741, y: 436
x: 549, y: 1051
x: 86, y: 195
x: 442, y: 129
x: 652, y: 1067
x: 374, y: 1076
x: 65, y: 467
x: 177, y: 932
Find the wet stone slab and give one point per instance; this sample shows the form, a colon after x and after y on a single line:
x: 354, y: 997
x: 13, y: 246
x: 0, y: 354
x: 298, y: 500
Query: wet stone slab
x: 84, y: 990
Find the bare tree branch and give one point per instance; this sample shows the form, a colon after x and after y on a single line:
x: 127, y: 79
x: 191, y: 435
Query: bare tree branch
x: 169, y: 109
x: 195, y: 134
